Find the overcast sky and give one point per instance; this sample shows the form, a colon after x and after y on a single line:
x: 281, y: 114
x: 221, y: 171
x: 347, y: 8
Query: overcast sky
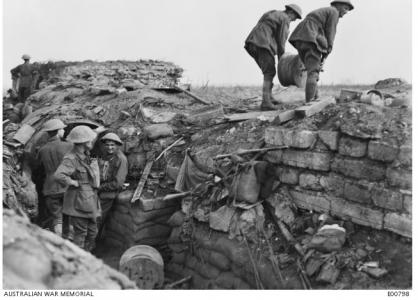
x: 206, y: 38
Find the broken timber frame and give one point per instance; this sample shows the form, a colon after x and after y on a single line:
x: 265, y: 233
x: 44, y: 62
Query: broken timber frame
x: 313, y: 107
x: 142, y: 181
x: 193, y: 96
x: 278, y: 116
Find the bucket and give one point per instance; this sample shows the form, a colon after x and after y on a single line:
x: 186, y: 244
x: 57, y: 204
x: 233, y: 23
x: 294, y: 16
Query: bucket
x: 24, y: 134
x: 291, y: 71
x: 144, y: 265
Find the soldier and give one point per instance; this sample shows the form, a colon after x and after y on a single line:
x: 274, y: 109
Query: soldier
x: 113, y: 166
x: 77, y: 172
x: 268, y: 39
x: 50, y: 156
x: 23, y: 77
x: 314, y: 40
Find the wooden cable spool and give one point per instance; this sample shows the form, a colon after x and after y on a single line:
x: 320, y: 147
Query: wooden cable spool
x: 291, y: 71
x: 144, y: 265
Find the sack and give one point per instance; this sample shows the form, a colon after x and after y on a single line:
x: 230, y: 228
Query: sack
x: 245, y: 186
x: 86, y: 201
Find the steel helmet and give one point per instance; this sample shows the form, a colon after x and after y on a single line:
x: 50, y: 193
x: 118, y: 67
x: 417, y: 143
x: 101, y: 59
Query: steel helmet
x: 53, y: 124
x: 81, y: 134
x: 111, y: 137
x: 347, y: 2
x: 25, y: 56
x: 296, y: 8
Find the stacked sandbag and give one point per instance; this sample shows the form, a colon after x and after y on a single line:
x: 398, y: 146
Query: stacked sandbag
x: 129, y: 224
x: 214, y: 260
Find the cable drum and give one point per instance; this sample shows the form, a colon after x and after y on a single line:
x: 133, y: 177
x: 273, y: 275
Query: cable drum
x: 144, y: 265
x: 291, y: 71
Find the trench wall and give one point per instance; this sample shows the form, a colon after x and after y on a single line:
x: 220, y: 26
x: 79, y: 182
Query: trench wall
x: 139, y: 223
x: 215, y: 261
x: 365, y: 180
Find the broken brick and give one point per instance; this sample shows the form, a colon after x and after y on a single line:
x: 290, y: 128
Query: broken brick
x: 398, y: 223
x: 302, y: 139
x: 361, y: 169
x: 407, y: 203
x: 382, y: 150
x: 352, y: 147
x: 310, y: 181
x: 405, y: 155
x: 399, y: 177
x: 358, y: 192
x: 329, y: 138
x: 357, y: 213
x: 386, y: 198
x: 306, y: 159
x: 288, y: 175
x: 333, y: 183
x: 310, y: 200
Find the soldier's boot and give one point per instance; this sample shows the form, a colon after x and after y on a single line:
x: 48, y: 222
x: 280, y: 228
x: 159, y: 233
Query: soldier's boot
x: 311, y: 86
x: 267, y: 103
x: 273, y: 99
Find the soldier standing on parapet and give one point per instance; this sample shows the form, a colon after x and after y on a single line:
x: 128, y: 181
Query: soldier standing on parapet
x: 23, y: 78
x: 113, y: 166
x: 50, y: 155
x: 78, y: 172
x: 268, y: 39
x: 314, y: 40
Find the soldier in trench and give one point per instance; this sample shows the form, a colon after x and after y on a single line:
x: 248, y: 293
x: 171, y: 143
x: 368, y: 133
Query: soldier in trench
x: 268, y: 39
x: 113, y: 166
x: 314, y: 40
x: 80, y: 174
x: 50, y: 156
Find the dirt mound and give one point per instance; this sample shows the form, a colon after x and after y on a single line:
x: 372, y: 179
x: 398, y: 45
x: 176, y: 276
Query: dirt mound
x: 34, y: 258
x: 390, y: 83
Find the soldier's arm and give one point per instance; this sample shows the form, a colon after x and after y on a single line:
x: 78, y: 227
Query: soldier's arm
x: 331, y: 28
x: 64, y: 172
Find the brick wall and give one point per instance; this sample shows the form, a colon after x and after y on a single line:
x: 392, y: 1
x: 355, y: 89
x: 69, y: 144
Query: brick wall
x: 368, y: 181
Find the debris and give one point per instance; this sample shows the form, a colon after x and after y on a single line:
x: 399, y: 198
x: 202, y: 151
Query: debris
x: 158, y: 131
x: 221, y: 218
x: 349, y: 95
x: 329, y: 273
x: 249, y: 151
x: 169, y: 147
x: 178, y: 282
x: 193, y: 96
x: 207, y: 114
x: 278, y: 117
x: 142, y: 181
x: 328, y: 238
x: 157, y: 117
x: 24, y: 134
x: 245, y: 186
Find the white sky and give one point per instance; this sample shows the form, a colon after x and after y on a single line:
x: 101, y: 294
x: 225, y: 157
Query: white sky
x: 206, y: 38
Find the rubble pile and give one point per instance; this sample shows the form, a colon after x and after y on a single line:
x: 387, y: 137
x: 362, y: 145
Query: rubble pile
x: 37, y: 259
x: 232, y: 219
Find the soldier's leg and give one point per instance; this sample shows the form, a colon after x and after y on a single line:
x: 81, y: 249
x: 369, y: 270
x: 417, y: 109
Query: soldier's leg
x: 313, y: 66
x: 266, y: 63
x: 54, y: 206
x: 106, y: 205
x: 65, y: 226
x: 80, y: 231
x: 91, y: 235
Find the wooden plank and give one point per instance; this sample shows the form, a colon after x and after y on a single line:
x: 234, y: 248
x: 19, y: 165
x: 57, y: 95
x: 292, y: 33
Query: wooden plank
x: 280, y: 116
x: 193, y: 96
x: 313, y: 107
x: 162, y: 202
x: 142, y: 181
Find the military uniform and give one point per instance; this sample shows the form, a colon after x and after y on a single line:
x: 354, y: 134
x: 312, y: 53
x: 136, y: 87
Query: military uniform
x: 314, y: 40
x: 113, y: 172
x: 267, y: 39
x: 51, y: 156
x: 27, y: 72
x: 80, y: 203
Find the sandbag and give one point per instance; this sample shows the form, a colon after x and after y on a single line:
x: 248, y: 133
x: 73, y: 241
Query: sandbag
x: 156, y: 131
x: 246, y: 186
x: 214, y: 258
x: 328, y: 238
x: 176, y: 219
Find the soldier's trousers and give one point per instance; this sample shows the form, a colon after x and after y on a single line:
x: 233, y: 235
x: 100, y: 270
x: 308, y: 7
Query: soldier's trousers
x: 85, y: 232
x: 311, y: 58
x: 54, y: 207
x: 264, y: 60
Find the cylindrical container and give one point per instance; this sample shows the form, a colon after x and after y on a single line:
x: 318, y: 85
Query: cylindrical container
x: 24, y: 134
x: 144, y: 265
x: 291, y: 71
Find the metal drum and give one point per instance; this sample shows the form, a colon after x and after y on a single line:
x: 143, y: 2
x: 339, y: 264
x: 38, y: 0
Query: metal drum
x: 291, y: 71
x: 143, y: 265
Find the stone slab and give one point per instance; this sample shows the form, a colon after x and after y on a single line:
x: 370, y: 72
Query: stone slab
x: 329, y: 138
x: 398, y: 223
x: 386, y: 198
x: 310, y: 200
x: 301, y: 139
x: 359, y: 168
x: 352, y: 147
x: 382, y: 151
x: 399, y: 178
x: 306, y: 159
